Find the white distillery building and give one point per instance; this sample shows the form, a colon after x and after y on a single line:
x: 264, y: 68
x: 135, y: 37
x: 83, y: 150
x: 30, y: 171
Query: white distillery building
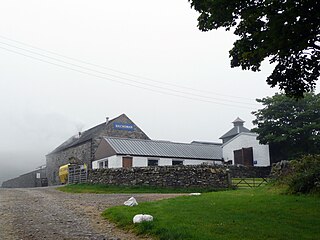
x: 123, y: 152
x: 241, y: 146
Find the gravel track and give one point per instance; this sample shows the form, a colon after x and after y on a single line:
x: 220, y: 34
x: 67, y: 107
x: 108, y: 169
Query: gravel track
x: 46, y: 213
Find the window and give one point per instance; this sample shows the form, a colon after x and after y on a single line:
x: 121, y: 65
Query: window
x: 100, y: 164
x: 153, y: 162
x: 177, y: 162
x: 103, y: 164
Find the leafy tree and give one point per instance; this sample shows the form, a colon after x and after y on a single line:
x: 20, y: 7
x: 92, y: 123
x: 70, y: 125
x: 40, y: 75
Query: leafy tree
x: 286, y: 32
x: 291, y: 127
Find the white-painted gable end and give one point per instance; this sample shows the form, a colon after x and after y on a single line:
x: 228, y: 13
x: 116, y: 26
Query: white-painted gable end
x: 261, y: 156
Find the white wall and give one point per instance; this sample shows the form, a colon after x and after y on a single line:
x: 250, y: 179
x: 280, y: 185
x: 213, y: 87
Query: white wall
x: 116, y: 161
x: 139, y: 161
x: 246, y: 140
x: 113, y: 162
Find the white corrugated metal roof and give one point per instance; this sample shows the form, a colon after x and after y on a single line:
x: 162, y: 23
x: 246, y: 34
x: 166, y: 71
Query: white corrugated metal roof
x: 139, y: 147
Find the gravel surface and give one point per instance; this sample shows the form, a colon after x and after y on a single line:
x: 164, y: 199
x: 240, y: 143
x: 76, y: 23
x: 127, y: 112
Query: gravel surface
x: 46, y: 213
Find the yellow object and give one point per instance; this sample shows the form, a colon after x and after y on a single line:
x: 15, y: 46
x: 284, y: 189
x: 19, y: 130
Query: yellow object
x: 63, y: 173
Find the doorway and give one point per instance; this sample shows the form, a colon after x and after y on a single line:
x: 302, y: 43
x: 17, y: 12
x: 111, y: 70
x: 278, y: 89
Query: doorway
x: 127, y: 162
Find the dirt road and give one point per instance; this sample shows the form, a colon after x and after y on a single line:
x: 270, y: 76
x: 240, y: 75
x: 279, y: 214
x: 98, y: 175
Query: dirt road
x: 45, y: 213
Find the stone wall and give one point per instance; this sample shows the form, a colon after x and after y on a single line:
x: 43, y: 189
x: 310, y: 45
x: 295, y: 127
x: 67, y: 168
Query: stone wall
x: 249, y: 171
x: 163, y: 176
x: 27, y: 180
x: 205, y: 176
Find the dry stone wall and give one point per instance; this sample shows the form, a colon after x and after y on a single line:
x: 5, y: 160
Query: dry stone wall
x: 249, y: 171
x: 163, y: 176
x: 204, y: 176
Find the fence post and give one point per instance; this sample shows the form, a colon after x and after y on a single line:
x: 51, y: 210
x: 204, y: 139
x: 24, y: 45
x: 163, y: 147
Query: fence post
x: 229, y: 178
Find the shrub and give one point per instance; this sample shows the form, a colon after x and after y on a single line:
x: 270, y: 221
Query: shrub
x: 305, y: 177
x: 299, y: 176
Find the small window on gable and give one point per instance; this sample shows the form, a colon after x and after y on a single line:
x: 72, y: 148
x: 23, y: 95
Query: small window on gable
x: 177, y: 162
x: 153, y: 162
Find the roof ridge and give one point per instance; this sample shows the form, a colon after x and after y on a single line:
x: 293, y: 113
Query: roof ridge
x: 73, y: 140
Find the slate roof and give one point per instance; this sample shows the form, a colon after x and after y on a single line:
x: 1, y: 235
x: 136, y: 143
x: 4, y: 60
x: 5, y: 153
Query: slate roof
x: 237, y: 128
x: 85, y: 136
x: 238, y: 120
x: 207, y: 143
x: 234, y: 131
x: 151, y: 148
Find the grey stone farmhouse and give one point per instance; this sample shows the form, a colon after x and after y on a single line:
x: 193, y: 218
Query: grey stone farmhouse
x: 81, y: 149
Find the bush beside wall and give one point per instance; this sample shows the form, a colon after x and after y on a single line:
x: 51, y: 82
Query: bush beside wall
x: 300, y: 176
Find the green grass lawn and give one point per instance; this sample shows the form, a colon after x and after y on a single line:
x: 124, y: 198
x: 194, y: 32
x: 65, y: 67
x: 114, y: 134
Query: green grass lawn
x: 101, y: 188
x: 240, y: 214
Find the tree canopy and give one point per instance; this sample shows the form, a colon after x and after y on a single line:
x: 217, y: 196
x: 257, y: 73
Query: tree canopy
x: 286, y: 32
x: 291, y: 127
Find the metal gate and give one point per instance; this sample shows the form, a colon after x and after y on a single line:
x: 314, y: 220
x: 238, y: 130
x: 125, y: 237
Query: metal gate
x: 249, y: 182
x: 77, y: 174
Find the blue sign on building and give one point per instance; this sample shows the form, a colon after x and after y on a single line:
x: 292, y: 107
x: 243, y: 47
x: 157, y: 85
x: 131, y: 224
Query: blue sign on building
x: 123, y: 126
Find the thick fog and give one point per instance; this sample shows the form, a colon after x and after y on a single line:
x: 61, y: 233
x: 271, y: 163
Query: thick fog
x: 172, y: 80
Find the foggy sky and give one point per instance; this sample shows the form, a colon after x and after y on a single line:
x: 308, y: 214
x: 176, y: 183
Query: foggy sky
x: 43, y: 104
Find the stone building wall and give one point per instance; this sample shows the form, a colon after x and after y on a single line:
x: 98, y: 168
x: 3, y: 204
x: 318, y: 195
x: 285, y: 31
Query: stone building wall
x: 85, y: 151
x: 109, y: 131
x: 55, y: 160
x: 27, y: 180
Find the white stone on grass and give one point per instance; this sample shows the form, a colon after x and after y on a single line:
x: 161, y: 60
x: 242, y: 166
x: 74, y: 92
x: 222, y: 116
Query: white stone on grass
x: 142, y: 218
x: 195, y: 194
x: 131, y: 202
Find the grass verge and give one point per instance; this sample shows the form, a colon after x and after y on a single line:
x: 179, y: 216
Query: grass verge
x: 101, y: 188
x: 241, y: 214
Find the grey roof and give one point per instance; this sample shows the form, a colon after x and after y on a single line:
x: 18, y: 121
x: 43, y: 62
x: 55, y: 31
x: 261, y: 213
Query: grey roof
x: 238, y: 120
x: 139, y: 147
x: 234, y: 131
x: 75, y: 140
x: 85, y: 136
x: 237, y: 128
x: 207, y: 143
